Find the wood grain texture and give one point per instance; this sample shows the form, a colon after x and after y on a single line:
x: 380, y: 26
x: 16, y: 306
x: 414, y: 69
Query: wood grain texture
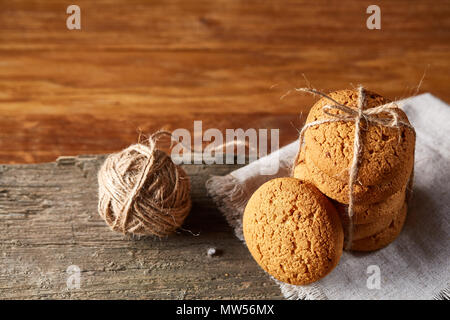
x: 144, y: 65
x: 49, y: 221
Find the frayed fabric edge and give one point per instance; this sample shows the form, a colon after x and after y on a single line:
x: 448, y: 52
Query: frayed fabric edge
x: 292, y: 292
x: 231, y: 199
x: 444, y: 294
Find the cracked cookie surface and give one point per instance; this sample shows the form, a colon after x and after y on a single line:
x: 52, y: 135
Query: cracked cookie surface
x: 387, y: 153
x: 293, y: 231
x: 365, y: 214
x: 365, y: 230
x: 370, y: 201
x: 383, y: 238
x: 361, y: 231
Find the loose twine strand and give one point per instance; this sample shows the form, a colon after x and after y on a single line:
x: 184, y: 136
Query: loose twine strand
x: 358, y: 115
x: 142, y: 192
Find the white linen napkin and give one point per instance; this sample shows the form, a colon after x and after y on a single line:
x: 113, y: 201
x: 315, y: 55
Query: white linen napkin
x: 416, y: 265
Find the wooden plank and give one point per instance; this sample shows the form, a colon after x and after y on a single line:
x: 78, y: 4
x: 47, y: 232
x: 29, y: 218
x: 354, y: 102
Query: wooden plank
x: 151, y: 64
x: 49, y: 221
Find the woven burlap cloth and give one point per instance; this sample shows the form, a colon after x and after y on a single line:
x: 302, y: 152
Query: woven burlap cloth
x: 416, y: 265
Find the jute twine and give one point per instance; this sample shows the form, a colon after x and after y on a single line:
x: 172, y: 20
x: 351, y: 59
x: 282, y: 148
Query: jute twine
x: 359, y: 115
x: 142, y: 192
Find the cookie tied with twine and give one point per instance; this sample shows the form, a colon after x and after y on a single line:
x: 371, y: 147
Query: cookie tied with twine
x: 361, y: 115
x: 142, y: 192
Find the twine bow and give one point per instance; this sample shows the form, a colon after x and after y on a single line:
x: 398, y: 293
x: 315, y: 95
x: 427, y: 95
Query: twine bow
x: 369, y: 116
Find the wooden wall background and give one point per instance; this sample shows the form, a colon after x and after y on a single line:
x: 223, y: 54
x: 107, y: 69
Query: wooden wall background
x: 144, y: 65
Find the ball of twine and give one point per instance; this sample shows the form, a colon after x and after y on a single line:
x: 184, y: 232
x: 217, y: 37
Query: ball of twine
x: 142, y: 192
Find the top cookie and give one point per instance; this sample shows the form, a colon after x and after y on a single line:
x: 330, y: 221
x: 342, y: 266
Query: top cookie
x: 293, y: 231
x: 386, y: 152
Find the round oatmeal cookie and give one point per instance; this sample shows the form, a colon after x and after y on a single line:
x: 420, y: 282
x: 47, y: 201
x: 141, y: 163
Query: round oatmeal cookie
x: 369, y: 199
x: 369, y: 229
x: 293, y: 231
x: 383, y: 238
x: 387, y: 153
x: 372, y: 217
x: 364, y: 214
x: 339, y: 190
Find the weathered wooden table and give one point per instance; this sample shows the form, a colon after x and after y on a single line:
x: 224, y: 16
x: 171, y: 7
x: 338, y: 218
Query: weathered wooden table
x: 49, y: 221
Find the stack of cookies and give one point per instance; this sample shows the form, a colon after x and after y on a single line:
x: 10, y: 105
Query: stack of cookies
x: 386, y: 163
x: 295, y: 227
